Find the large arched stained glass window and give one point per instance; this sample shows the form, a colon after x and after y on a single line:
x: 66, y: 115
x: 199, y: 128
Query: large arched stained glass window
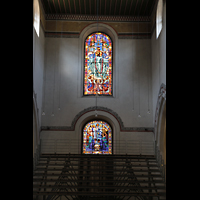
x: 97, y: 138
x: 98, y: 65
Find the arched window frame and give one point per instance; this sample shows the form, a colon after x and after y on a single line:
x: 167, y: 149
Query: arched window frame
x: 36, y: 16
x: 85, y: 131
x: 85, y: 80
x: 159, y: 17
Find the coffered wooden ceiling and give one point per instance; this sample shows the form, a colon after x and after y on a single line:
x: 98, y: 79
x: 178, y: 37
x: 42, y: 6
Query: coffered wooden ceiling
x: 104, y: 7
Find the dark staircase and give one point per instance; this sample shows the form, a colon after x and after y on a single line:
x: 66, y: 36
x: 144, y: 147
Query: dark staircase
x: 88, y: 177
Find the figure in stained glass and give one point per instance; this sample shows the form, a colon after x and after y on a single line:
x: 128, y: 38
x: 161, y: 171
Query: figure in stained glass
x: 98, y: 65
x: 96, y: 137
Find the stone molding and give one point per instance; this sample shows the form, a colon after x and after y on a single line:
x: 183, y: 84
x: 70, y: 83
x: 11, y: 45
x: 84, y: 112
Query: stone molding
x: 114, y: 18
x: 77, y: 35
x: 98, y: 108
x: 161, y: 96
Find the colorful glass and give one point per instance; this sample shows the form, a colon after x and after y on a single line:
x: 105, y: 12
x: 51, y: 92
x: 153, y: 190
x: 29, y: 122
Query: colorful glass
x: 97, y: 138
x: 98, y: 65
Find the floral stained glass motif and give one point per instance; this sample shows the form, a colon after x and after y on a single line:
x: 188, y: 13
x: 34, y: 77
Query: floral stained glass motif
x: 98, y: 65
x: 97, y: 138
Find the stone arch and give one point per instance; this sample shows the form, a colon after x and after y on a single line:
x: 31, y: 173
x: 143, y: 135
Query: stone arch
x: 160, y: 122
x: 89, y: 115
x: 160, y: 101
x: 98, y: 109
x: 162, y: 132
x: 35, y: 124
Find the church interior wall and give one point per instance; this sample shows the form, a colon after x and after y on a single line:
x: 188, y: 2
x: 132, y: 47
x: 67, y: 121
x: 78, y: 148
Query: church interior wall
x: 158, y: 59
x: 64, y: 76
x: 132, y: 65
x: 63, y: 141
x: 38, y: 72
x: 137, y: 78
x: 161, y: 137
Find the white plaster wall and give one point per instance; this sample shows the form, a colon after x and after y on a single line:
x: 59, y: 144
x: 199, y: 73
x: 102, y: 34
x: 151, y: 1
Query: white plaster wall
x: 131, y: 74
x: 158, y: 54
x: 64, y: 89
x: 38, y: 69
x: 134, y: 82
x: 62, y: 56
x: 123, y: 142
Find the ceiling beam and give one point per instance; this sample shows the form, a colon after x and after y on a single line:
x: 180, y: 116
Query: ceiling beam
x: 130, y: 7
x: 59, y: 6
x: 54, y: 6
x: 152, y: 6
x: 100, y: 8
x: 140, y: 8
x: 75, y: 7
x: 105, y: 8
x: 125, y: 7
x: 85, y: 6
x: 80, y: 6
x: 64, y: 6
x: 90, y: 6
x: 146, y: 7
x: 135, y: 7
x: 49, y: 6
x: 120, y: 7
x: 110, y: 7
x: 115, y: 6
x: 69, y: 7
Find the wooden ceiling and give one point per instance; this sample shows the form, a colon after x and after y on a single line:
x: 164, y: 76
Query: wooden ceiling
x: 134, y: 8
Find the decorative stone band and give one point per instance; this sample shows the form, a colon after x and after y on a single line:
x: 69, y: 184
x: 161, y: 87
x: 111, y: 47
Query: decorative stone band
x: 98, y: 108
x: 134, y: 35
x: 62, y: 34
x: 100, y: 18
x: 77, y: 34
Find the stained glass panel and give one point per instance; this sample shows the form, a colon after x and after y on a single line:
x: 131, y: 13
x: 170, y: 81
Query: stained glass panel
x: 97, y: 138
x: 98, y: 65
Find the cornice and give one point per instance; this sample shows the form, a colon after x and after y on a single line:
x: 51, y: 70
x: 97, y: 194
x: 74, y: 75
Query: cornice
x: 98, y: 108
x: 77, y: 34
x: 114, y: 18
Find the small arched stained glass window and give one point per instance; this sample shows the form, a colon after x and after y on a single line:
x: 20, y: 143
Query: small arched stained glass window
x: 97, y: 138
x: 98, y: 65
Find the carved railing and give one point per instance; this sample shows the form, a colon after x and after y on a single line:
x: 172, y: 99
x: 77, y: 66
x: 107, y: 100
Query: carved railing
x: 73, y: 146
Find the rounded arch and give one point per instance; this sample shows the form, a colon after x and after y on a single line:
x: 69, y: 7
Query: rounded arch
x: 102, y: 115
x: 35, y: 125
x: 102, y: 27
x: 161, y: 100
x: 162, y: 132
x: 160, y: 122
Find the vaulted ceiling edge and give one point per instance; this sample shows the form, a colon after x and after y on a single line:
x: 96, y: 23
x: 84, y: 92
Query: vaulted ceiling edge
x: 121, y: 10
x: 126, y: 12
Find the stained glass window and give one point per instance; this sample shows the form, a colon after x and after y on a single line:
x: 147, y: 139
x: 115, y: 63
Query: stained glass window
x: 97, y: 138
x: 98, y: 65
